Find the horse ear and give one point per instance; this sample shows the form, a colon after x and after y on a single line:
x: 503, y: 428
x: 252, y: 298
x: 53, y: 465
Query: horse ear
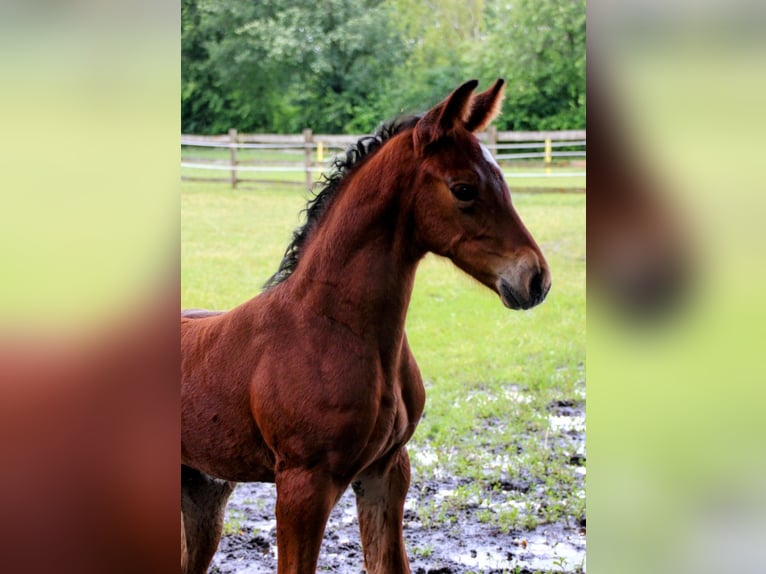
x: 486, y: 107
x: 442, y: 118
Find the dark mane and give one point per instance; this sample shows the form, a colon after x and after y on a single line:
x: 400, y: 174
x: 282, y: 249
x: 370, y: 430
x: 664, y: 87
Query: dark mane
x: 327, y: 187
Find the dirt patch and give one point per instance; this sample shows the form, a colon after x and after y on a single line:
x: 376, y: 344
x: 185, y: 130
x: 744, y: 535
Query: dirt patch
x: 466, y: 545
x: 446, y: 530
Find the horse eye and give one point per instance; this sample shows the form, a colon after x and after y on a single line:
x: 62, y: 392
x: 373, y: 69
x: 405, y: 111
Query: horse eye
x: 464, y: 192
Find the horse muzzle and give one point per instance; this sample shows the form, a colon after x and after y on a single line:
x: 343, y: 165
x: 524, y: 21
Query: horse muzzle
x: 524, y: 289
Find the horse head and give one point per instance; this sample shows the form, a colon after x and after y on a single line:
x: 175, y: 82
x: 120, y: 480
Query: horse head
x: 463, y: 206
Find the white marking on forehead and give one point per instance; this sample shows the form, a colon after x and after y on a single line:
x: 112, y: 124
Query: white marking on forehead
x: 492, y: 161
x: 488, y: 156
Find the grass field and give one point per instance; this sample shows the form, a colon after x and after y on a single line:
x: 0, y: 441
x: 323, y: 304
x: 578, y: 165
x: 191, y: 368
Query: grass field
x: 491, y: 374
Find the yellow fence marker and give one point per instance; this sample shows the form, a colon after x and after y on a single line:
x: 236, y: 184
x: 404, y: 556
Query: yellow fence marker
x: 548, y: 156
x: 320, y: 152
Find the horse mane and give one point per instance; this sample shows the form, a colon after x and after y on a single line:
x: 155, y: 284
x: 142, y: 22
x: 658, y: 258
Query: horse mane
x: 328, y: 187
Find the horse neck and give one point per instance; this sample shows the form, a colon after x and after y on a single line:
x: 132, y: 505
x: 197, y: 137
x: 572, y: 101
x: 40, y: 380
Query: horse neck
x: 358, y: 268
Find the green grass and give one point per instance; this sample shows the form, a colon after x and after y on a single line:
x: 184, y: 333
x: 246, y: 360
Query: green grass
x: 232, y: 241
x: 489, y: 372
x: 472, y: 352
x: 233, y: 523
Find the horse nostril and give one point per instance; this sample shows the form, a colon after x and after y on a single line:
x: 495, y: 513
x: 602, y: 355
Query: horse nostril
x: 536, y: 290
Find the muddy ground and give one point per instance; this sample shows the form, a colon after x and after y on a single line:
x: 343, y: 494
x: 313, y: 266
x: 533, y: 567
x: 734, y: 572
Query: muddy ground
x: 463, y: 542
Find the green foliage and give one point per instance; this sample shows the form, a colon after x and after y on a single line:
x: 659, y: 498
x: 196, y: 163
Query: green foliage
x: 284, y: 65
x: 539, y: 47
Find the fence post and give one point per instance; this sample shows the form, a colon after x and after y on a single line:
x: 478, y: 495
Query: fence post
x: 548, y: 155
x: 233, y: 156
x: 320, y: 151
x: 307, y: 139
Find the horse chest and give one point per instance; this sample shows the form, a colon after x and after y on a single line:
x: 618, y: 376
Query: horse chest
x: 401, y: 404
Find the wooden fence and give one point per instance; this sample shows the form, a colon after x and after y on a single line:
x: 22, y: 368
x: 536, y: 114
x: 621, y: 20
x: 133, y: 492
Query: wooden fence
x: 297, y: 158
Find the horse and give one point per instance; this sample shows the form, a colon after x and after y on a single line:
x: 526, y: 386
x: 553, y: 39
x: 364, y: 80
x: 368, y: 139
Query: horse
x: 311, y: 384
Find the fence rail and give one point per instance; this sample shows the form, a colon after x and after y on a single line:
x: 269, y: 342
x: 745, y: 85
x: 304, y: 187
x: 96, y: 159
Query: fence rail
x: 298, y: 157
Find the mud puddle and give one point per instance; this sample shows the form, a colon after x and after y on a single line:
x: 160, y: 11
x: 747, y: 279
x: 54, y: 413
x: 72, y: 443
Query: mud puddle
x: 462, y: 542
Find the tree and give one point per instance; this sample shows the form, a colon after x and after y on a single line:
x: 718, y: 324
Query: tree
x: 204, y: 103
x: 284, y: 65
x: 539, y: 47
x: 437, y: 36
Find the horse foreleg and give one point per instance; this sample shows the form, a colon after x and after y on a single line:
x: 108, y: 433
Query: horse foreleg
x: 380, y: 493
x: 304, y: 502
x: 203, y: 502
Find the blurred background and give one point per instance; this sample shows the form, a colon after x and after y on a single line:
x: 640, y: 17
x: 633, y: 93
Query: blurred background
x: 675, y: 277
x: 89, y: 251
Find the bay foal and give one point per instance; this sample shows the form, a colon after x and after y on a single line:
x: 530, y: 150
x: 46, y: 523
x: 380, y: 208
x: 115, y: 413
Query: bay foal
x: 311, y: 384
